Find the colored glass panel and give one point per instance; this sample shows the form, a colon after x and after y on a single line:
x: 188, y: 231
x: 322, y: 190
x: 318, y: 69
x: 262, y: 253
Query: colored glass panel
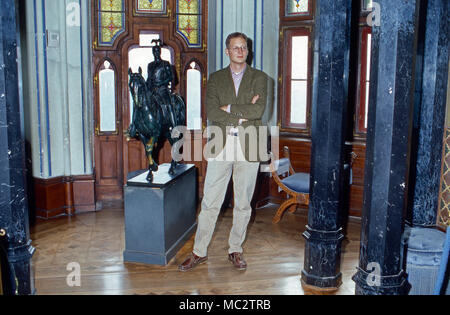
x: 188, y: 7
x: 111, y: 21
x: 189, y: 16
x: 297, y: 7
x: 111, y: 5
x: 151, y: 6
x: 188, y: 27
x: 111, y: 25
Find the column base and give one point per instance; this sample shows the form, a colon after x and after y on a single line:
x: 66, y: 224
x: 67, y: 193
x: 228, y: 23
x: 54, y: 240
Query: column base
x: 322, y: 284
x: 322, y: 259
x: 17, y: 278
x: 369, y: 284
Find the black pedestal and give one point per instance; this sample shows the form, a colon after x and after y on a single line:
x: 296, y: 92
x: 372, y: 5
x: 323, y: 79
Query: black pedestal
x: 159, y: 216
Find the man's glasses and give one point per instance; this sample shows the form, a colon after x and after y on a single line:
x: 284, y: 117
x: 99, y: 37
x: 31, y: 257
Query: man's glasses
x: 238, y: 49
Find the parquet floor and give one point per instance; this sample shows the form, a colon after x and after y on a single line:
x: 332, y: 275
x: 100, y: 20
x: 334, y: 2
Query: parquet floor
x: 274, y: 253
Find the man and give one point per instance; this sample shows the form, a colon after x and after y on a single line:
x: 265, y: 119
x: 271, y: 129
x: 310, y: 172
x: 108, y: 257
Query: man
x: 160, y: 75
x: 235, y: 99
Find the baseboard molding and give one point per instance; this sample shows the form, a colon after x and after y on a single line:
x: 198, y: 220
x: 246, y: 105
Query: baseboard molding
x: 64, y: 195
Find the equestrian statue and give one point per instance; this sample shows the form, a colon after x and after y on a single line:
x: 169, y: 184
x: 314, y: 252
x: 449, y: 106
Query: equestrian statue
x: 157, y: 110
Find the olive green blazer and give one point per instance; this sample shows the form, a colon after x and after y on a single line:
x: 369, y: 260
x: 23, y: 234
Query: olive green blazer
x: 220, y: 91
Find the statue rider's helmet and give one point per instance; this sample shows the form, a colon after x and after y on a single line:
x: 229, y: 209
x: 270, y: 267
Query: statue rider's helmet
x: 156, y: 48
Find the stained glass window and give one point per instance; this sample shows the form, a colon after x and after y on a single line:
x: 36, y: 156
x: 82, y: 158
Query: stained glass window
x: 151, y: 6
x: 189, y: 21
x: 111, y: 21
x: 297, y: 7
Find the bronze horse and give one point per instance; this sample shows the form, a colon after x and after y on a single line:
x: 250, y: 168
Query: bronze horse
x: 150, y: 121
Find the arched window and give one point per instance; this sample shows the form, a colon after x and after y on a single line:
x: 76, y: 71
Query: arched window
x: 193, y: 97
x: 107, y: 98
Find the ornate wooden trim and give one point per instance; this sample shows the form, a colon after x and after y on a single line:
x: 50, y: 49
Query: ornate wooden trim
x: 443, y: 217
x: 64, y: 195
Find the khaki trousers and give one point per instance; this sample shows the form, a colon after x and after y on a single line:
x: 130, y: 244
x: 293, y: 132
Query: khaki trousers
x: 218, y: 175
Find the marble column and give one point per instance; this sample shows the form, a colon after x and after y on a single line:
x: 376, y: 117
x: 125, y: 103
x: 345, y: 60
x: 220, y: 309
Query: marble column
x: 15, y: 248
x: 430, y: 114
x: 331, y: 68
x: 391, y: 106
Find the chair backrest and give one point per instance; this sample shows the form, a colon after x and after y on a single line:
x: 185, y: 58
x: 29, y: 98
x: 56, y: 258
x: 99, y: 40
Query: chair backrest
x: 442, y: 281
x: 281, y: 167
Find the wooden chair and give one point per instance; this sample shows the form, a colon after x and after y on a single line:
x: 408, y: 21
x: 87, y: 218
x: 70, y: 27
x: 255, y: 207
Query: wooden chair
x: 295, y: 185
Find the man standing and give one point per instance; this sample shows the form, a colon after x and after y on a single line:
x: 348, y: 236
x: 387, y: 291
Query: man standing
x: 236, y: 98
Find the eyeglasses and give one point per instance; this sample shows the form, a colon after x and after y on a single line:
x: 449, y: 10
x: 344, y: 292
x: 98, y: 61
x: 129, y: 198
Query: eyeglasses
x: 237, y: 49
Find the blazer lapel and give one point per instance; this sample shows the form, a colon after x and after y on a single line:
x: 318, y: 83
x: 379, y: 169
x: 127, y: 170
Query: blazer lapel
x: 229, y: 84
x: 246, y: 82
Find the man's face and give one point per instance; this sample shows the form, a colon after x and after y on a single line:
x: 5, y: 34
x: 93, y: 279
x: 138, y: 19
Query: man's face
x: 237, y: 51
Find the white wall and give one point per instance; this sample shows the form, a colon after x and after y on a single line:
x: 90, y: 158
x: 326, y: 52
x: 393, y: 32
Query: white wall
x: 58, y: 96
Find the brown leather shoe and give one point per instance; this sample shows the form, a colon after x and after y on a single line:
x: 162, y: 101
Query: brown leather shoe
x: 237, y: 259
x: 192, y: 261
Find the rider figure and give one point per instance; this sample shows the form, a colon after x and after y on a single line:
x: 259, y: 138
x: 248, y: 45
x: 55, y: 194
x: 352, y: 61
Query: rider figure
x: 160, y: 75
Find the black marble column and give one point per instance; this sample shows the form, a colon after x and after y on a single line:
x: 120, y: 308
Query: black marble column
x: 15, y: 248
x: 329, y: 111
x: 391, y: 106
x: 430, y: 113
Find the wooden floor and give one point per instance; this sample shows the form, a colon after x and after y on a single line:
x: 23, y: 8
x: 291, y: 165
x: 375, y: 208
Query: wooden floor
x: 274, y: 253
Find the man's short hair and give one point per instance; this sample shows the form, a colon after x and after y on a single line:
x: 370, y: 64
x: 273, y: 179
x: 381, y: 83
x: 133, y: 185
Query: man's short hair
x: 235, y: 35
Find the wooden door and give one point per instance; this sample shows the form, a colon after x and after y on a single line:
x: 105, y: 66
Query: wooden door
x: 126, y: 23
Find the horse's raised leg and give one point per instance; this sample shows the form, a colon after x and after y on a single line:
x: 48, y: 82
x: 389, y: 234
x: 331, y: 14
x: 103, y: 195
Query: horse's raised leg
x: 173, y: 164
x: 152, y: 166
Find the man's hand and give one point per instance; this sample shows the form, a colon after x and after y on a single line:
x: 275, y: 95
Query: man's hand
x: 255, y: 98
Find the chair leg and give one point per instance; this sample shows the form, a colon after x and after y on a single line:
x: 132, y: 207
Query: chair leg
x: 282, y: 208
x: 293, y: 208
